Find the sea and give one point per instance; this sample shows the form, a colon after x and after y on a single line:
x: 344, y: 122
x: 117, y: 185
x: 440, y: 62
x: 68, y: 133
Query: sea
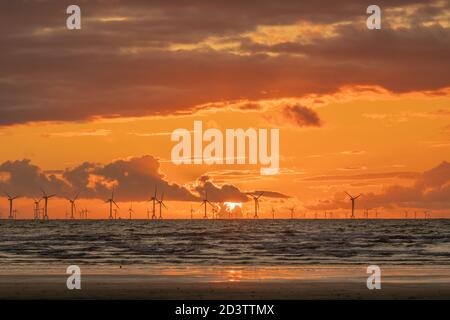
x: 224, y: 242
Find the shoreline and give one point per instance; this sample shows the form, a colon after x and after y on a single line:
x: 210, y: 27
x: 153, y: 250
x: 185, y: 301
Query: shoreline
x: 230, y: 283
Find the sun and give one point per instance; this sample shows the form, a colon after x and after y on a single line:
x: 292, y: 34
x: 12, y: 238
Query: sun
x: 231, y: 205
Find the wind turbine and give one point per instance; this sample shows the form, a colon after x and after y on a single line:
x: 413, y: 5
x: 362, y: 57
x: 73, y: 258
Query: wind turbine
x: 72, y: 206
x: 130, y: 210
x: 37, y: 210
x: 256, y: 199
x: 11, y: 200
x: 352, y: 198
x: 45, y: 196
x: 273, y: 213
x: 204, y: 203
x: 154, y: 200
x: 366, y: 213
x: 161, y: 204
x: 292, y: 209
x: 406, y: 214
x: 192, y: 213
x: 111, y: 201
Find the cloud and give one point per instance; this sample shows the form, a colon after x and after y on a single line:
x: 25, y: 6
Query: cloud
x: 368, y: 176
x: 227, y: 192
x: 301, y: 116
x: 26, y: 179
x: 133, y: 179
x: 431, y: 190
x: 51, y: 74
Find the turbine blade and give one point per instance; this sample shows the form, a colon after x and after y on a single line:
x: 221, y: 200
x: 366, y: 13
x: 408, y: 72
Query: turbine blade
x: 115, y: 204
x: 163, y: 205
x: 348, y: 194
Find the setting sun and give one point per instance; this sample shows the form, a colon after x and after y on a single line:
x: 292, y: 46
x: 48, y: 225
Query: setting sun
x: 230, y: 206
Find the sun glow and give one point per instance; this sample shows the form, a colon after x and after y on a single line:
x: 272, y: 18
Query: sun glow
x: 231, y: 205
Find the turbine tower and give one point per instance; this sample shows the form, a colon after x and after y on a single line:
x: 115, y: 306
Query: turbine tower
x: 154, y: 200
x: 37, y: 210
x: 204, y: 203
x: 256, y: 199
x: 161, y: 204
x: 72, y: 206
x: 130, y: 210
x: 11, y: 200
x: 45, y: 196
x: 111, y: 201
x: 273, y: 213
x: 192, y: 213
x: 352, y: 198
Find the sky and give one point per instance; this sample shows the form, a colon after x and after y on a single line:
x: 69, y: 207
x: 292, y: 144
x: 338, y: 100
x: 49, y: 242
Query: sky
x: 359, y: 111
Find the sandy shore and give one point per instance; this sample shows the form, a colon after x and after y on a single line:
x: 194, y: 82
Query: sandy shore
x: 230, y: 283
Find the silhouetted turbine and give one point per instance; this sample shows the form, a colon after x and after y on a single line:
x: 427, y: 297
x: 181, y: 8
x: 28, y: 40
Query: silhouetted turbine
x: 204, y: 203
x: 161, y: 204
x: 37, y: 210
x: 45, y: 196
x: 154, y: 200
x: 72, y: 206
x: 130, y: 210
x: 352, y: 198
x: 111, y: 202
x: 11, y: 200
x: 256, y: 199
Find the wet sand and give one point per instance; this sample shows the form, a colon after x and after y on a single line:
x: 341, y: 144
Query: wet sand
x: 229, y: 283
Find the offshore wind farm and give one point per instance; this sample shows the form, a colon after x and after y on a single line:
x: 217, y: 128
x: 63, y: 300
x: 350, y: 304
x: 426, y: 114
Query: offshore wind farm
x: 158, y: 201
x: 225, y: 149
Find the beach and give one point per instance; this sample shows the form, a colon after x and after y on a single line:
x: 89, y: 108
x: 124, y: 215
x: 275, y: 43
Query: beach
x: 231, y: 283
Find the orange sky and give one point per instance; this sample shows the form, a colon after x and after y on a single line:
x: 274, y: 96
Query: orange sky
x: 363, y: 122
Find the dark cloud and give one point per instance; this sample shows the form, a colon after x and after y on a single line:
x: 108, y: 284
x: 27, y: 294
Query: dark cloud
x: 22, y: 178
x: 133, y: 179
x: 431, y: 190
x: 367, y: 176
x: 124, y: 68
x: 269, y: 194
x: 301, y: 116
x: 205, y: 185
